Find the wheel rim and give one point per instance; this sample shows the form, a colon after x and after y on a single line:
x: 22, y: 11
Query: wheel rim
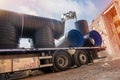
x: 62, y: 61
x: 82, y: 58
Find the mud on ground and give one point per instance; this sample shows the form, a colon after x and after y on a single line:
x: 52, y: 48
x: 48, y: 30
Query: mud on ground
x: 98, y: 71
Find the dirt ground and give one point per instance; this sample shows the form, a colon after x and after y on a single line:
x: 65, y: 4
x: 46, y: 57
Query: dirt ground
x: 97, y: 71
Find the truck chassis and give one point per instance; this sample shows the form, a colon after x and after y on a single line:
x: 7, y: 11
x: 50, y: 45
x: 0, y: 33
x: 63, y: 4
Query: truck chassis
x: 49, y: 59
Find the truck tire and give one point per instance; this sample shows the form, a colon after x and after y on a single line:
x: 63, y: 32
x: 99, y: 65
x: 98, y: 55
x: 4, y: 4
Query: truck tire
x: 61, y: 60
x: 8, y: 35
x: 80, y: 57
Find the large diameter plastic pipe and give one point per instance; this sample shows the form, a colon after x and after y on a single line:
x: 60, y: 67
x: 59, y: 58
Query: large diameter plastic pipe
x: 93, y: 38
x: 42, y: 30
x: 31, y: 23
x: 8, y: 36
x: 73, y: 39
x: 82, y: 26
x: 44, y: 38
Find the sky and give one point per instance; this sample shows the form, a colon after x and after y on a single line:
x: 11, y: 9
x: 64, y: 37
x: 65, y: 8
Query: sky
x: 85, y: 9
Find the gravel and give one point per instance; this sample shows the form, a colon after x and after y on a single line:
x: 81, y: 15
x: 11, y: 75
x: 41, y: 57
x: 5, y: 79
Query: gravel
x: 109, y: 70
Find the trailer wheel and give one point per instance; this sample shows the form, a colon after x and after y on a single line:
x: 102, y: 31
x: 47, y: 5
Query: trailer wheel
x: 61, y: 60
x: 80, y: 57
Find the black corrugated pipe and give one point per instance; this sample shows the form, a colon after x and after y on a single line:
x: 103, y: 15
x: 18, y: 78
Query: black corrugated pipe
x: 92, y: 38
x: 82, y: 26
x: 73, y: 39
x: 30, y: 24
x: 8, y: 36
x: 44, y: 38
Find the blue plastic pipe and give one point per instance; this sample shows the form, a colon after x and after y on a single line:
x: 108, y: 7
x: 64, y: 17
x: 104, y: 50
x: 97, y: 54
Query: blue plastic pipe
x: 73, y: 39
x: 94, y: 37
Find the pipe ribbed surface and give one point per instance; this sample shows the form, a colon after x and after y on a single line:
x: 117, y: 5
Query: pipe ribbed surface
x: 29, y: 26
x: 82, y: 26
x: 8, y: 36
x: 93, y: 38
x: 44, y: 38
x: 73, y: 39
x: 32, y: 23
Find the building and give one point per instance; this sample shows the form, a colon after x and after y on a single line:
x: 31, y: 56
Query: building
x: 108, y: 25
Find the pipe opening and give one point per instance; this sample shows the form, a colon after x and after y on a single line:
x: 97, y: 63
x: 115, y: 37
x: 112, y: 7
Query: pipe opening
x: 75, y: 38
x: 95, y: 38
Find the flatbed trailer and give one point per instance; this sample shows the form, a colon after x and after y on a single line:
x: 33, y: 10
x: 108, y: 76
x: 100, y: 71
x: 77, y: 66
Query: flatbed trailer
x: 48, y: 59
x: 44, y: 59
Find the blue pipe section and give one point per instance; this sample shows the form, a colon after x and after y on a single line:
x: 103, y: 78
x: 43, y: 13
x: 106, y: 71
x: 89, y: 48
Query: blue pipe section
x: 95, y: 38
x: 72, y: 39
x: 75, y: 38
x: 92, y: 38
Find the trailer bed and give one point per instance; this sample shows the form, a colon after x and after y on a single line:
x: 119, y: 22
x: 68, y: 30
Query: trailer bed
x: 33, y: 52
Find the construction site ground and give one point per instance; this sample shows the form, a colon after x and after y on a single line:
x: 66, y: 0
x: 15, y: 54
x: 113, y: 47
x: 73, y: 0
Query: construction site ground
x: 103, y: 70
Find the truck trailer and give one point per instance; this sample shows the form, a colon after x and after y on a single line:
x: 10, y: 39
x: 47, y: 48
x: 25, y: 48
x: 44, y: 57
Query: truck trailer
x: 45, y: 56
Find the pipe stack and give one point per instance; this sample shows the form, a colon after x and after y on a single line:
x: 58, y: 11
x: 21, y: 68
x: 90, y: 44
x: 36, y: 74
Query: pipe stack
x: 72, y: 39
x: 42, y: 30
x: 81, y: 37
x: 92, y: 38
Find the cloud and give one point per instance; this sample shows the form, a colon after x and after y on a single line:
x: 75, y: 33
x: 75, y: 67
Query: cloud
x: 27, y: 10
x: 85, y: 9
x: 53, y: 8
x: 89, y: 8
x: 50, y: 8
x: 1, y: 3
x: 59, y: 6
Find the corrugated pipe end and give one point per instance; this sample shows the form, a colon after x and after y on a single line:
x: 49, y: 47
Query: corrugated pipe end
x: 95, y: 38
x: 75, y: 38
